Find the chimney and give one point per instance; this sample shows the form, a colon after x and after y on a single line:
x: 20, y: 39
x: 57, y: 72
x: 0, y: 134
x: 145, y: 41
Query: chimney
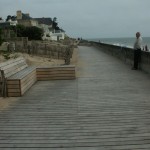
x: 19, y: 14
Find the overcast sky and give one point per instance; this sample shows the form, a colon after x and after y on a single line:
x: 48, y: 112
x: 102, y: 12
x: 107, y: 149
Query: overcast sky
x: 88, y: 18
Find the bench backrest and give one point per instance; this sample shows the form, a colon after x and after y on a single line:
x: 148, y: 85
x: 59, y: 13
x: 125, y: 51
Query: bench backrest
x: 12, y: 66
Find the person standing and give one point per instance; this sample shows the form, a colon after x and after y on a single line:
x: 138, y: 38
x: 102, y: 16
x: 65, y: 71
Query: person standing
x: 137, y: 51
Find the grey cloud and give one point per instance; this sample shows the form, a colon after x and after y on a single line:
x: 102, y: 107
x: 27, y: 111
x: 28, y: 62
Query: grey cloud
x: 88, y: 18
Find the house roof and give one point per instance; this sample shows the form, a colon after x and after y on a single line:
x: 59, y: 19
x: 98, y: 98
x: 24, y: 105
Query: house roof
x: 59, y: 31
x: 26, y: 17
x: 47, y: 21
x: 62, y: 30
x: 4, y: 24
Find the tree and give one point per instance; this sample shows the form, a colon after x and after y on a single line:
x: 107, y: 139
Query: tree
x: 54, y: 19
x: 20, y: 30
x: 0, y: 36
x: 33, y: 33
x: 9, y: 17
x: 55, y: 24
x: 13, y: 18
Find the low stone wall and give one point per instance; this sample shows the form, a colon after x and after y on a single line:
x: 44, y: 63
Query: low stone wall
x: 125, y: 54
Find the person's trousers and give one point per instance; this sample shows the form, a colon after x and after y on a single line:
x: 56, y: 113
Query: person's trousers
x: 137, y: 58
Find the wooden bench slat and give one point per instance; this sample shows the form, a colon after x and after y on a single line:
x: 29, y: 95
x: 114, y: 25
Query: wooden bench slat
x: 13, y: 64
x: 53, y: 74
x: 13, y: 82
x: 29, y: 76
x: 10, y: 61
x: 27, y: 86
x: 17, y: 67
x: 13, y: 94
x: 13, y: 86
x: 56, y: 78
x: 22, y: 73
x: 54, y: 67
x: 14, y: 71
x: 14, y: 90
x: 56, y: 73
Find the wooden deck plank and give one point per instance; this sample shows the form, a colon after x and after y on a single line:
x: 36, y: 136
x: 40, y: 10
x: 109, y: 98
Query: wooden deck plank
x: 106, y: 108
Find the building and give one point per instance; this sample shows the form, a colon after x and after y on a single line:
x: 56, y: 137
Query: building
x: 10, y: 22
x: 25, y: 19
x: 57, y: 35
x: 5, y: 26
x: 46, y: 25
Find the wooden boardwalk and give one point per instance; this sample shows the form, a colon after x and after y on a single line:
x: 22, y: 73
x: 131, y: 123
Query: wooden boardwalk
x: 106, y: 108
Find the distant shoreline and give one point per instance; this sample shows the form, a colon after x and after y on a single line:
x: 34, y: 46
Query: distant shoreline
x: 127, y: 42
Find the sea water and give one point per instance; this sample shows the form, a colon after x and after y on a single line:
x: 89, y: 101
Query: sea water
x: 125, y: 42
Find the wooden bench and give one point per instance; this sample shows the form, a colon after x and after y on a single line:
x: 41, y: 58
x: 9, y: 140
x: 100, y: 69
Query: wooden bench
x: 66, y: 72
x: 17, y: 77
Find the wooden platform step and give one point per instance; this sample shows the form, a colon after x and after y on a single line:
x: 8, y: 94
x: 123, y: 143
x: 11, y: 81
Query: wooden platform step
x: 56, y: 73
x: 19, y: 83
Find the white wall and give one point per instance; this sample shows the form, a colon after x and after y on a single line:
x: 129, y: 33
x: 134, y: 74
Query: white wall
x: 53, y: 36
x: 34, y: 23
x: 60, y: 35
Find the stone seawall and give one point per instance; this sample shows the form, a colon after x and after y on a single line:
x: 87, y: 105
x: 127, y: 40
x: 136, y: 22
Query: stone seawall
x: 125, y: 54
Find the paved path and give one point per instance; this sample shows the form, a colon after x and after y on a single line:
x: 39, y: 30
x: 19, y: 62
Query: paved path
x: 106, y: 108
